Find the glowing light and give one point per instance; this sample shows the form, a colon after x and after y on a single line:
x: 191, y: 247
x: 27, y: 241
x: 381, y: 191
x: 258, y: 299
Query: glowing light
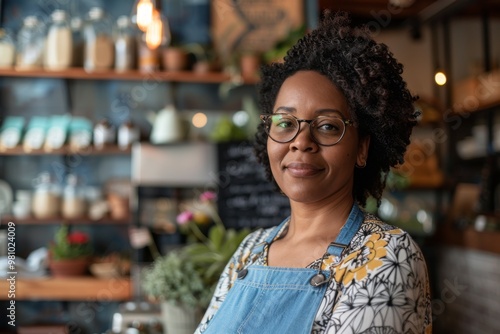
x: 144, y: 16
x: 440, y: 78
x: 199, y: 120
x: 154, y: 32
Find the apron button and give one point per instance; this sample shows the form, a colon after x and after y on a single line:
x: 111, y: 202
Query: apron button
x: 242, y: 273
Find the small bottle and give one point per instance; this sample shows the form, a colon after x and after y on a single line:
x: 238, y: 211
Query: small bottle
x: 30, y: 44
x: 74, y: 203
x: 7, y: 49
x: 58, y: 53
x: 99, y: 46
x: 104, y: 134
x: 125, y: 45
x: 127, y: 135
x: 46, y: 197
x: 77, y: 37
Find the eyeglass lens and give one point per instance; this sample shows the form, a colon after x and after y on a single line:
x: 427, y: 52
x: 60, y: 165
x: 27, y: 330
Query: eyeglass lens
x: 325, y: 130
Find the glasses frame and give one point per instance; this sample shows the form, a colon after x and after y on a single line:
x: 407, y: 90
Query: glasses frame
x: 265, y: 118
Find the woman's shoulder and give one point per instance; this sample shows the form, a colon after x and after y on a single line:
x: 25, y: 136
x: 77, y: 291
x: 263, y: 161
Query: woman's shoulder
x: 373, y: 228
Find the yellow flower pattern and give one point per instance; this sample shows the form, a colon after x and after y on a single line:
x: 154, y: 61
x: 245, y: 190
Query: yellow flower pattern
x: 356, y: 265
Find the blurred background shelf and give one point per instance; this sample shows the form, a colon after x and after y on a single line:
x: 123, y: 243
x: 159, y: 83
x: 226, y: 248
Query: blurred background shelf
x: 80, y: 73
x: 66, y: 150
x: 77, y: 288
x: 60, y: 220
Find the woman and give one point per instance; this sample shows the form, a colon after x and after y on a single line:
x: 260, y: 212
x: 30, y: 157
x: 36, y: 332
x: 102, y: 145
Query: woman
x: 337, y: 116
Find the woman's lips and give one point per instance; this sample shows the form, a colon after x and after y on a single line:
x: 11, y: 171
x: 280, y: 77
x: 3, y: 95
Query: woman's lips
x: 299, y: 169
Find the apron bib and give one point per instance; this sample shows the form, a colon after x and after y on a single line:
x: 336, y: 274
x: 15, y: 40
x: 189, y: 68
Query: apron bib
x: 275, y: 300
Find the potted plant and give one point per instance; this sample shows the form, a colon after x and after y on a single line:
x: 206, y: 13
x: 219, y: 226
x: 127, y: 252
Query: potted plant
x: 184, y: 279
x: 69, y: 253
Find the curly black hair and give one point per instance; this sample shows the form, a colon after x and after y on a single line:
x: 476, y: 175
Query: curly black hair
x: 369, y: 77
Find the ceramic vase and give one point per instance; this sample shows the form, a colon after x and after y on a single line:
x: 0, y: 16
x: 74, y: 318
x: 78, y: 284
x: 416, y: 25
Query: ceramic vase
x: 179, y: 319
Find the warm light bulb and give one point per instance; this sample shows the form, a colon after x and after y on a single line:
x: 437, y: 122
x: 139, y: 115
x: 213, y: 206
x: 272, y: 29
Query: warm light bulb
x: 199, y: 120
x: 154, y: 33
x: 144, y: 14
x: 440, y: 78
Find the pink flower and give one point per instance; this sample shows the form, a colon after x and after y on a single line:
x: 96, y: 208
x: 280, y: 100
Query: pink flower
x: 208, y: 196
x: 185, y: 217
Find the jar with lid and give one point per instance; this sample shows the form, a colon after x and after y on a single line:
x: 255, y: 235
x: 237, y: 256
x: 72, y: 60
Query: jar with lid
x: 59, y: 48
x: 125, y: 44
x: 46, y: 197
x: 104, y: 134
x: 7, y: 49
x: 74, y: 202
x: 30, y: 44
x: 98, y: 43
x: 77, y: 38
x: 128, y: 134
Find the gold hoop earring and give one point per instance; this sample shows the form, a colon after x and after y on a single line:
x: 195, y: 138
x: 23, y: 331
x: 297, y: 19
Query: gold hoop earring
x: 360, y: 167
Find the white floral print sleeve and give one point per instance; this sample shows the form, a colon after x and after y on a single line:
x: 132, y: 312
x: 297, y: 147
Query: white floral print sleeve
x: 379, y: 285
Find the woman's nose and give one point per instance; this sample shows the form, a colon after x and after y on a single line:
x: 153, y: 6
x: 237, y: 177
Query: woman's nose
x: 304, y: 140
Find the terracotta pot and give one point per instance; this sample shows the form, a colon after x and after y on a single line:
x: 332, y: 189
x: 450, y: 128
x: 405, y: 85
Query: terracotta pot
x: 249, y: 65
x: 69, y: 267
x: 174, y: 59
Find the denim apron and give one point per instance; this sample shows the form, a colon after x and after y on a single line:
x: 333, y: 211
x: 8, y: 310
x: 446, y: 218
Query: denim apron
x: 276, y: 300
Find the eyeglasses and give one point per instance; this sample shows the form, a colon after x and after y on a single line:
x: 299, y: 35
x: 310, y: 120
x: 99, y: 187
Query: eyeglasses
x: 325, y: 130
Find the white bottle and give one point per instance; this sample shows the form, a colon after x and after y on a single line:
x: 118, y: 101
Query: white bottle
x: 99, y: 46
x: 7, y: 50
x: 30, y: 44
x: 59, y: 47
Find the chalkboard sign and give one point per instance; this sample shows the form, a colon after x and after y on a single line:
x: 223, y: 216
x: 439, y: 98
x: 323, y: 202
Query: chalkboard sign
x: 245, y: 197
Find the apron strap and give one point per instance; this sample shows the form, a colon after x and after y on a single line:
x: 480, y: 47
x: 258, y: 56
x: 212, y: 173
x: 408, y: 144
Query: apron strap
x: 347, y: 232
x: 259, y: 248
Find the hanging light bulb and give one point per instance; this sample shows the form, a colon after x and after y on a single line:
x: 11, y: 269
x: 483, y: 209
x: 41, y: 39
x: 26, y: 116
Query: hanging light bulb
x: 440, y: 77
x: 158, y: 32
x: 144, y: 10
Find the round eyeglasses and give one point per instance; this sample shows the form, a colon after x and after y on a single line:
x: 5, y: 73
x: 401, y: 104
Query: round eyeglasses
x: 325, y: 130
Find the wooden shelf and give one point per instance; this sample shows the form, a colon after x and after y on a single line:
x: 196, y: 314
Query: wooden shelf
x: 477, y: 93
x: 80, y: 73
x: 75, y: 288
x: 61, y: 220
x: 488, y: 241
x: 107, y: 150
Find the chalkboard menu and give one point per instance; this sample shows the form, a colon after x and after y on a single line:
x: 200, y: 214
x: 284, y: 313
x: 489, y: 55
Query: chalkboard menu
x: 245, y: 197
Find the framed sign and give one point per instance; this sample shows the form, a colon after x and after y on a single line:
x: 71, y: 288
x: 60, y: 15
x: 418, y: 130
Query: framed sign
x: 253, y: 25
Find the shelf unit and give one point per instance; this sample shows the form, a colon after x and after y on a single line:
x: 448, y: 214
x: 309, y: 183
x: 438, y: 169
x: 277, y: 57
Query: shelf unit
x: 60, y: 220
x: 70, y: 289
x: 89, y: 287
x: 171, y: 76
x: 66, y: 150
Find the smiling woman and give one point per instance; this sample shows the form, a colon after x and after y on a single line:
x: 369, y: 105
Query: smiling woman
x: 336, y: 116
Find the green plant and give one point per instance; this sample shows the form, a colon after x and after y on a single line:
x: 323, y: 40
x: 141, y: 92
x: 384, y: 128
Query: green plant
x: 188, y: 276
x: 174, y: 278
x: 68, y: 245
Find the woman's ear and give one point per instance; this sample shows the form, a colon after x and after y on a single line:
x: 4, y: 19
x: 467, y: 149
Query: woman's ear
x: 364, y: 145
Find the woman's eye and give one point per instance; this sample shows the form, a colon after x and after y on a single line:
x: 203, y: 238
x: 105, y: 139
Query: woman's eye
x: 282, y: 122
x: 328, y: 127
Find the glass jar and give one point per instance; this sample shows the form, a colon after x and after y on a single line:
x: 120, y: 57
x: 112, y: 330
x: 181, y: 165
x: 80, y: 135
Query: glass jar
x: 125, y: 44
x: 128, y: 134
x: 30, y: 44
x: 59, y: 47
x: 77, y: 37
x: 99, y: 46
x: 7, y: 49
x: 46, y: 197
x: 74, y: 202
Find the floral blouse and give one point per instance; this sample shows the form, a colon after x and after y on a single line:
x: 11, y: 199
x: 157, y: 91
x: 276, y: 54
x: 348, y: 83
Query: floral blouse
x: 380, y: 283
